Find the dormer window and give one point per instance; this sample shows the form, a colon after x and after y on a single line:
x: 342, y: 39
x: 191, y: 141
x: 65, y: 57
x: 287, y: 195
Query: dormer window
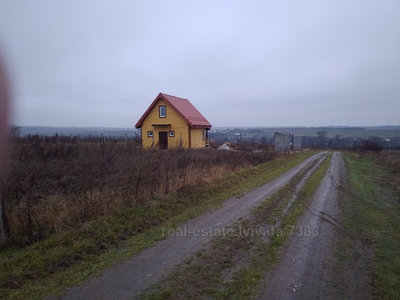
x: 163, y: 111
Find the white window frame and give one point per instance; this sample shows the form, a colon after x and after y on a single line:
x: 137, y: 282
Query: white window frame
x: 164, y: 115
x: 150, y: 133
x: 171, y: 133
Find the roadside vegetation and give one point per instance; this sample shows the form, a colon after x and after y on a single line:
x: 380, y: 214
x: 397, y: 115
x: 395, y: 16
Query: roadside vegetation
x: 371, y: 219
x: 234, y: 266
x: 391, y: 160
x: 53, y: 185
x: 75, y: 208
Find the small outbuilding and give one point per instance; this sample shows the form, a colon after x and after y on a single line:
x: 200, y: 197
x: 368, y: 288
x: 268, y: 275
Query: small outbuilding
x: 173, y: 122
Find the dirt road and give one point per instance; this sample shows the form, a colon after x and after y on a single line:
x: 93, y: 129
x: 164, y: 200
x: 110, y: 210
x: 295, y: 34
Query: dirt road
x: 305, y: 271
x: 128, y: 279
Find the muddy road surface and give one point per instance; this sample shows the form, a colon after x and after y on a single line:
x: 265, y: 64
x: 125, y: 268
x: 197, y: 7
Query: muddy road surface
x: 306, y: 269
x: 129, y: 278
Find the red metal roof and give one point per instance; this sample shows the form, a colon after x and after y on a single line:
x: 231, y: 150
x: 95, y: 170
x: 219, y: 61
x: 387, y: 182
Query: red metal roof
x: 183, y: 107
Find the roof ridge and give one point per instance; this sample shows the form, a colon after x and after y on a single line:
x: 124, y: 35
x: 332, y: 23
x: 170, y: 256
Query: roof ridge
x: 185, y: 109
x: 164, y: 94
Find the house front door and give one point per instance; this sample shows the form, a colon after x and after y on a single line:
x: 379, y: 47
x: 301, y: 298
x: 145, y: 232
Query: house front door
x: 163, y: 140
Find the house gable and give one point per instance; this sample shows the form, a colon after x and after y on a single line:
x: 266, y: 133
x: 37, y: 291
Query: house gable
x: 182, y: 107
x: 175, y: 127
x: 175, y: 117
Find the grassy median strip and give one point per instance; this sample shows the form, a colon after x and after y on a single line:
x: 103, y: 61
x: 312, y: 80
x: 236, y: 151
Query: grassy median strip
x: 66, y: 259
x: 235, y: 264
x: 371, y: 217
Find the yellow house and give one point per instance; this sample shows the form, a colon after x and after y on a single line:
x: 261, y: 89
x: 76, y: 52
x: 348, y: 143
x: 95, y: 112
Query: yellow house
x: 173, y: 122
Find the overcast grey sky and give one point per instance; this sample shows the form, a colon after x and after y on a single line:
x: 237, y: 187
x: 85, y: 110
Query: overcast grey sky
x: 243, y: 63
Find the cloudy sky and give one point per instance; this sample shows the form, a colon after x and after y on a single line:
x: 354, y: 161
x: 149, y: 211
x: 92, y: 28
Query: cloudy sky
x: 243, y: 63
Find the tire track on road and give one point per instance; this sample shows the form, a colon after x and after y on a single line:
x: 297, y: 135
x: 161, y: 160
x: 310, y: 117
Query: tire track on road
x: 128, y: 279
x: 303, y: 272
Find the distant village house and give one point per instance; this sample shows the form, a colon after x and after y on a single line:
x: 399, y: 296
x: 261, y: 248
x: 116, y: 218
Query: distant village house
x: 173, y: 122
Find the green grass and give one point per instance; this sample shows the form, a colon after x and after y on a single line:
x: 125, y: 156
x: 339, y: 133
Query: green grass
x: 234, y: 266
x: 371, y: 214
x: 64, y: 260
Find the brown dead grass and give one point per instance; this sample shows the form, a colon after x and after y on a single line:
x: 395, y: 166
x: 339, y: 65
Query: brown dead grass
x: 51, y: 187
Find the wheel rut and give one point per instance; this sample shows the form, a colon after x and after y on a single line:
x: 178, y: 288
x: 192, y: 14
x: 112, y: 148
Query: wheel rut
x: 304, y: 272
x: 131, y: 277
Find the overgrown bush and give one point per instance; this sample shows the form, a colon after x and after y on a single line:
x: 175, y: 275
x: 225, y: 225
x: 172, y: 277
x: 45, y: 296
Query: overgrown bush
x: 53, y: 183
x: 370, y: 146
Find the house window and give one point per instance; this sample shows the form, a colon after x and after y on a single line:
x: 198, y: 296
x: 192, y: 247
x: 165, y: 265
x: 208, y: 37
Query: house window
x: 163, y: 111
x: 149, y: 133
x: 172, y: 133
x: 203, y: 135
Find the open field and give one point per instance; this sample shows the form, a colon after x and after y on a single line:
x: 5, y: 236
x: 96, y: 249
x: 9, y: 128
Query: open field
x: 362, y: 256
x: 52, y: 186
x: 65, y: 255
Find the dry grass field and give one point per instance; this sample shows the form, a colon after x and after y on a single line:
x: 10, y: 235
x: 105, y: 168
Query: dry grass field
x: 50, y: 186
